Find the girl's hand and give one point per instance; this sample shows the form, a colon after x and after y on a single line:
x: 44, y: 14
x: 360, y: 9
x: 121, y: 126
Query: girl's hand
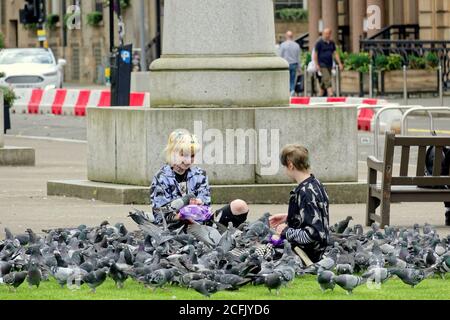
x: 196, y: 202
x: 277, y: 219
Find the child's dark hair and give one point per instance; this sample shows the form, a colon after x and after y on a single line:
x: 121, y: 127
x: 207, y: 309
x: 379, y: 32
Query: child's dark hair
x: 297, y: 155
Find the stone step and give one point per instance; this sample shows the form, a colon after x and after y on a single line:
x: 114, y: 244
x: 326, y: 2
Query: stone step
x: 17, y: 157
x: 339, y: 193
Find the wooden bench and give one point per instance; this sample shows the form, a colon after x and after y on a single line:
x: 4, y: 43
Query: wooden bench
x: 404, y: 188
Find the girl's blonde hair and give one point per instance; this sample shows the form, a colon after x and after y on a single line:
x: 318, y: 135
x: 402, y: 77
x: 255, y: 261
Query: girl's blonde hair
x: 181, y: 141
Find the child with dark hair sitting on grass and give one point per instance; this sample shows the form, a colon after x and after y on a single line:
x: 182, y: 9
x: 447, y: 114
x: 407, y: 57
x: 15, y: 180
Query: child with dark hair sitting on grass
x: 306, y: 224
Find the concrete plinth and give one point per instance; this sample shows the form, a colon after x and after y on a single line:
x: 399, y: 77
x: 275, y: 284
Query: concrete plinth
x: 239, y: 146
x: 13, y: 156
x: 219, y: 53
x: 2, y: 129
x: 17, y: 157
x: 140, y: 82
x: 339, y: 193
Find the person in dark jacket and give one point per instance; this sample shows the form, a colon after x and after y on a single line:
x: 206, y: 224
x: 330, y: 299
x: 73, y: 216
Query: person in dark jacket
x: 178, y: 177
x: 445, y: 171
x: 307, y: 223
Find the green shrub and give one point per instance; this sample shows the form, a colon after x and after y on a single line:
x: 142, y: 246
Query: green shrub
x: 417, y: 63
x: 52, y: 20
x: 2, y: 41
x: 31, y: 26
x: 292, y: 15
x: 94, y: 18
x: 394, y: 62
x: 357, y: 62
x: 124, y: 4
x: 305, y: 59
x: 432, y: 60
x: 8, y: 96
x: 342, y: 55
x: 381, y: 62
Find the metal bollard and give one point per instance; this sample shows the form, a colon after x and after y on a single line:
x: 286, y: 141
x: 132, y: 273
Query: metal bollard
x: 370, y: 81
x: 338, y: 82
x: 405, y: 86
x: 441, y: 86
x: 305, y: 80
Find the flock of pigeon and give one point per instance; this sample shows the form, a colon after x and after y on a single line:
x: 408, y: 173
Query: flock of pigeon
x: 213, y: 258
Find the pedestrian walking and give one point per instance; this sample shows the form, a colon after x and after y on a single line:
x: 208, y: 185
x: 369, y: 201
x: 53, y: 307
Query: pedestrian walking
x: 325, y: 51
x: 290, y: 51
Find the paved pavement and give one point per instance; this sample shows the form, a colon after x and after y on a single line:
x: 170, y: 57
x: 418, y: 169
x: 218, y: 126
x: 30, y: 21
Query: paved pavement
x: 24, y: 204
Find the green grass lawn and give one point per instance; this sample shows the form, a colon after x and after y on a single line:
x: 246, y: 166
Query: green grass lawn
x: 305, y: 288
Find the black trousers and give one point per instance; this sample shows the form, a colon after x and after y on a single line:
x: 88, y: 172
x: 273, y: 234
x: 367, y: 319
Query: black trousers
x: 445, y: 168
x: 226, y: 216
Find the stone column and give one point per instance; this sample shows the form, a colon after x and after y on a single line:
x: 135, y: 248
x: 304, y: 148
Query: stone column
x: 315, y: 12
x: 412, y: 12
x: 2, y: 141
x: 330, y: 17
x: 396, y: 12
x: 357, y: 14
x: 219, y: 53
x: 381, y: 5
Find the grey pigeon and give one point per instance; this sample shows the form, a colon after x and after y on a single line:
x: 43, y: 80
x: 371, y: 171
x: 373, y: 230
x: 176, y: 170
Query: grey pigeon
x: 66, y: 276
x: 117, y: 274
x: 207, y: 287
x: 34, y: 274
x: 348, y: 282
x: 14, y: 279
x: 344, y: 269
x: 273, y: 281
x: 160, y: 278
x: 206, y: 234
x: 377, y: 275
x: 411, y: 276
x: 233, y: 280
x: 326, y: 280
x: 341, y: 225
x: 96, y: 278
x: 5, y: 268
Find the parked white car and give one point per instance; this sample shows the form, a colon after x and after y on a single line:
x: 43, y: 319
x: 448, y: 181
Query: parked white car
x: 31, y: 68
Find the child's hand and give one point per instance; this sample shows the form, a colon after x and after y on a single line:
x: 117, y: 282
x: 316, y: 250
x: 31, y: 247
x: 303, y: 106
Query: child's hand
x: 196, y: 202
x: 277, y: 219
x: 280, y: 228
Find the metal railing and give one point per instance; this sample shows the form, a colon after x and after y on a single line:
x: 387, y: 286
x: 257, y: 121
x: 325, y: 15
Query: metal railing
x: 406, y: 48
x: 428, y: 109
x: 376, y: 119
x: 399, y: 31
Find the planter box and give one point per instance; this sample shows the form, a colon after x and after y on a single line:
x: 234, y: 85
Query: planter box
x: 417, y: 81
x: 350, y: 82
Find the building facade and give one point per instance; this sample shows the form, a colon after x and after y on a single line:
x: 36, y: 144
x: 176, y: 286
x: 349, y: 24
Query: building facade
x: 432, y: 16
x: 86, y: 48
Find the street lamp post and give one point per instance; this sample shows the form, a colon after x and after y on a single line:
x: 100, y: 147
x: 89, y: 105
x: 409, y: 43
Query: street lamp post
x: 158, y: 29
x: 111, y: 26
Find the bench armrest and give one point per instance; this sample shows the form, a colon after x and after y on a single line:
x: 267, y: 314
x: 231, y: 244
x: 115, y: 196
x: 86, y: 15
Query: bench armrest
x: 375, y: 164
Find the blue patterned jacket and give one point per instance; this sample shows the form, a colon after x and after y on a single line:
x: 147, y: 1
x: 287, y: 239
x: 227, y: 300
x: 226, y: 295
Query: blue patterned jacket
x: 165, y: 187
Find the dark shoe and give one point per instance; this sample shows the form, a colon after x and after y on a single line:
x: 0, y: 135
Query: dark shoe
x: 447, y: 218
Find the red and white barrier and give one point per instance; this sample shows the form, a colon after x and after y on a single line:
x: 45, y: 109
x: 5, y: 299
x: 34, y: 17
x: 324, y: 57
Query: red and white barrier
x: 69, y: 102
x: 365, y: 116
x: 324, y: 100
